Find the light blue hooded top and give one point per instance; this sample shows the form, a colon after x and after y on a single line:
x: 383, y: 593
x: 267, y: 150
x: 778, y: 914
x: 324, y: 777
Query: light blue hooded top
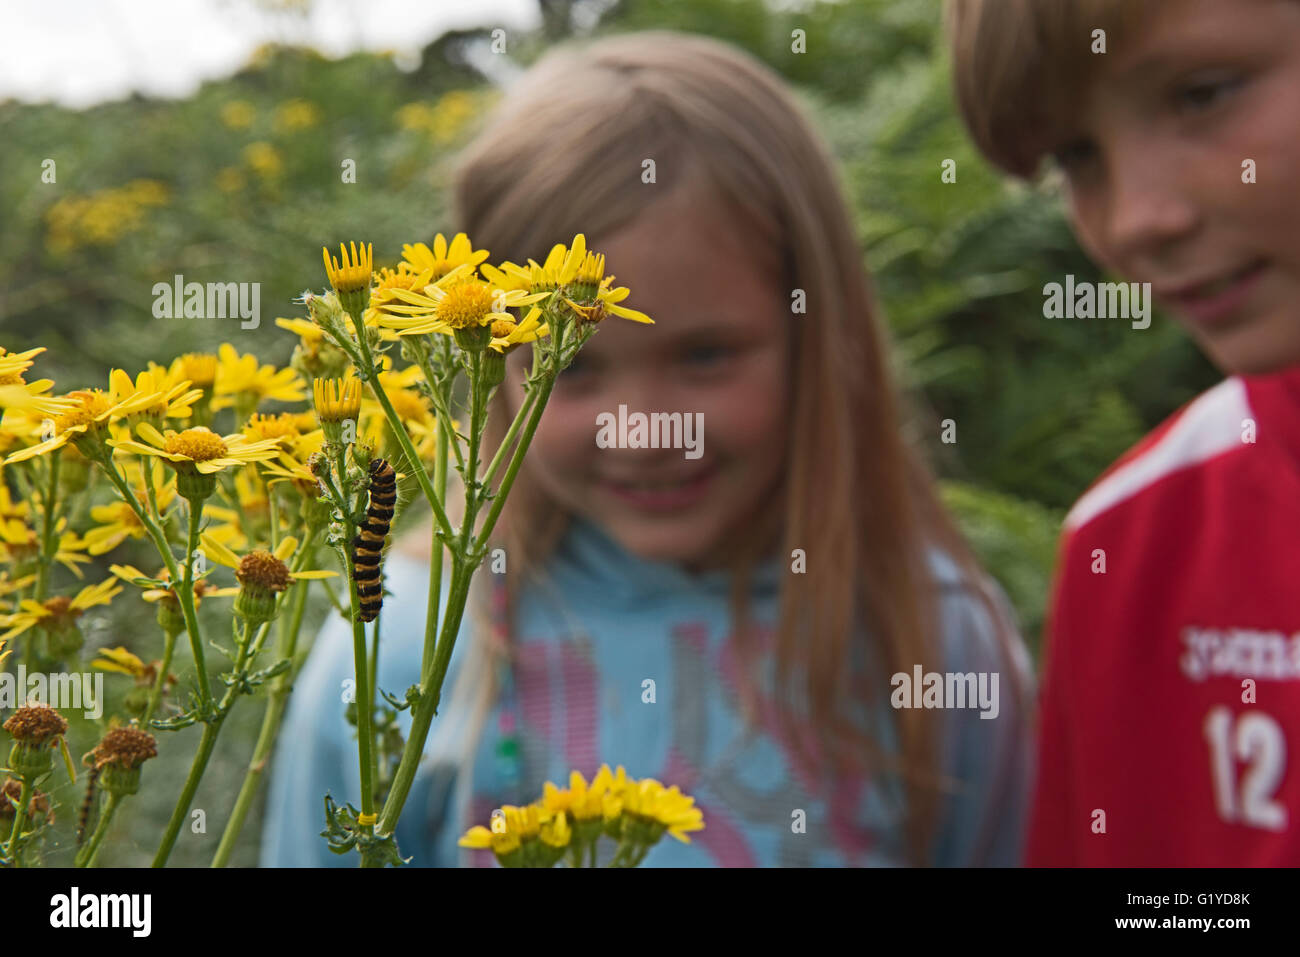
x: 631, y: 662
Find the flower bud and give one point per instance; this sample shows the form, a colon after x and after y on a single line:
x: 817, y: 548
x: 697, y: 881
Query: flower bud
x: 34, y: 728
x: 119, y: 756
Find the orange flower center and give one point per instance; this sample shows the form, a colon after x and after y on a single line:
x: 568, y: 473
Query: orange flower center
x: 199, y: 444
x: 465, y: 304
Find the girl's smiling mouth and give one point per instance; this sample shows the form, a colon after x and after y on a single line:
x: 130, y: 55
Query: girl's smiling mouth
x: 666, y: 494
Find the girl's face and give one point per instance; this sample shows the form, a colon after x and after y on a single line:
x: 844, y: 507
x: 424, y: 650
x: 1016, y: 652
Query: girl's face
x: 718, y: 355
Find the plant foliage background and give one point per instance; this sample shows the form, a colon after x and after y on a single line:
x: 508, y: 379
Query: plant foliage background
x: 240, y: 179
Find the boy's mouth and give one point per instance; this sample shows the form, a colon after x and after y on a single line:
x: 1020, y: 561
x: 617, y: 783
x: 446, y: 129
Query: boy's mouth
x: 1213, y: 299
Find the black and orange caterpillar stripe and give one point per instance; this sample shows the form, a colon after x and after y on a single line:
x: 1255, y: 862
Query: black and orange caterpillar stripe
x: 368, y: 546
x: 83, y: 818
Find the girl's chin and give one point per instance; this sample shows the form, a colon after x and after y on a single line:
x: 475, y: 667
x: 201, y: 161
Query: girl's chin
x: 664, y: 541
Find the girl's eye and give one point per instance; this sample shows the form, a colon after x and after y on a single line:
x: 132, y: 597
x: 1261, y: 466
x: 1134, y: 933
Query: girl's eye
x: 707, y: 356
x: 1201, y: 93
x: 578, y: 370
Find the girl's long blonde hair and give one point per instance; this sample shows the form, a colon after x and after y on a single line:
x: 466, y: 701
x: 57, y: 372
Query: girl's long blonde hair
x: 563, y: 155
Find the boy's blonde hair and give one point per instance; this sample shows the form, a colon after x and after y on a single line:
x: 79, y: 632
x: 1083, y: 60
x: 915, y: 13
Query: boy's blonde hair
x: 564, y: 155
x: 1021, y: 68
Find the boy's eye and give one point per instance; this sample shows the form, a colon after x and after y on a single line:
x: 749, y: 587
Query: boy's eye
x: 1074, y: 154
x: 1202, y: 92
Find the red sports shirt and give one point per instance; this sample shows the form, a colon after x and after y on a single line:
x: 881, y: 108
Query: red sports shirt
x: 1170, y: 716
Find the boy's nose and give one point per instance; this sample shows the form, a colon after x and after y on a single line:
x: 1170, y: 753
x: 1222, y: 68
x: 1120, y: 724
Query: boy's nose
x: 1150, y: 208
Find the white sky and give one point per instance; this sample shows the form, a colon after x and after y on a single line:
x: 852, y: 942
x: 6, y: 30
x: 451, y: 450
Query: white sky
x: 80, y: 52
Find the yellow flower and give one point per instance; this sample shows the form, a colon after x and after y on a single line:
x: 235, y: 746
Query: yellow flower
x: 264, y: 159
x: 83, y: 423
x: 156, y: 589
x: 9, y: 508
x: 305, y: 329
x: 559, y: 269
x: 666, y: 807
x: 583, y: 802
x: 238, y: 114
x: 606, y: 303
x: 355, y: 272
x: 120, y: 661
x: 283, y: 428
x: 166, y: 399
x: 242, y: 375
x: 337, y: 400
x: 443, y: 258
x: 250, y: 564
x: 229, y: 179
x: 199, y: 449
x: 556, y: 831
x: 16, y: 392
x: 457, y: 301
x: 103, y: 217
x: 507, y: 334
x: 198, y: 367
x: 296, y: 114
x: 115, y: 523
x: 60, y: 610
x: 19, y: 543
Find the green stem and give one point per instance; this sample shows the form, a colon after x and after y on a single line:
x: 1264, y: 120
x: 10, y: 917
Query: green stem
x: 510, y: 437
x: 399, y: 430
x: 146, y: 472
x: 207, y: 743
x: 363, y: 697
x: 286, y: 647
x: 436, y: 550
x: 185, y: 596
x: 274, y: 509
x: 169, y: 646
x: 87, y: 856
x: 47, y: 528
x: 470, y: 474
x: 374, y: 695
x: 20, y: 814
x: 516, y: 460
x: 427, y: 705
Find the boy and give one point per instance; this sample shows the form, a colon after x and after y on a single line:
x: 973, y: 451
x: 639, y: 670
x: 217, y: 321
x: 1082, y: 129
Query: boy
x: 1170, y: 725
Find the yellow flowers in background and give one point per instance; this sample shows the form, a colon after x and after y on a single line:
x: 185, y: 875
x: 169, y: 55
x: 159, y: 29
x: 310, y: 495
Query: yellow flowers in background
x: 569, y: 822
x: 103, y: 217
x: 237, y: 114
x: 446, y: 118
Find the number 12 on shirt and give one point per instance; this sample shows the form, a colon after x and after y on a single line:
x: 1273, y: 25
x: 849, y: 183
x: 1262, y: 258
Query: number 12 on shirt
x: 1256, y: 740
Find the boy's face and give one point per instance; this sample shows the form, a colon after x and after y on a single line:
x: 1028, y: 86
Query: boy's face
x: 718, y: 354
x: 1154, y: 165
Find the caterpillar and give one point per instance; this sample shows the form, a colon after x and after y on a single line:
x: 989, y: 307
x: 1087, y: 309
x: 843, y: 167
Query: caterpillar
x: 368, y: 546
x: 83, y: 818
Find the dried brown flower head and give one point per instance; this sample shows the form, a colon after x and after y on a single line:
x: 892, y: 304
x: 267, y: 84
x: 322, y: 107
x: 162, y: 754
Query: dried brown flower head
x: 125, y: 747
x: 34, y: 724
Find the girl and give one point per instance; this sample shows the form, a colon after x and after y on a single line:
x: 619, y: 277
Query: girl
x: 734, y: 617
